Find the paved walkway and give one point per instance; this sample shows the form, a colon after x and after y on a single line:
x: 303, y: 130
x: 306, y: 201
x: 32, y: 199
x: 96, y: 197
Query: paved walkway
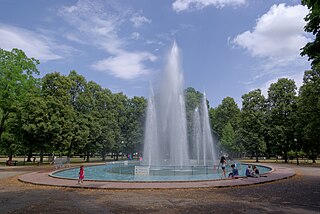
x: 43, y: 178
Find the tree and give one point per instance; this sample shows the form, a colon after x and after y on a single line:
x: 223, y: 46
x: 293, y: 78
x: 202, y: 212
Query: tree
x: 309, y: 111
x: 281, y: 115
x: 56, y: 91
x: 135, y: 123
x: 103, y: 127
x: 226, y: 112
x: 313, y: 26
x: 80, y: 102
x: 192, y: 100
x: 252, y: 122
x: 16, y: 79
x: 229, y: 141
x: 118, y: 107
x: 32, y: 125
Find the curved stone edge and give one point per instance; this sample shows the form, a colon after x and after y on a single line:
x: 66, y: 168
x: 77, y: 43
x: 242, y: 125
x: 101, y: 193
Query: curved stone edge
x: 43, y: 178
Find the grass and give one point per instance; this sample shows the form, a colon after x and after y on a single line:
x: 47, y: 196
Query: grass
x: 77, y: 160
x: 280, y: 161
x: 21, y: 161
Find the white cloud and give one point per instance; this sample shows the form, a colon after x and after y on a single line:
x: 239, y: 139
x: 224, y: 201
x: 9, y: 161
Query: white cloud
x: 278, y: 35
x: 99, y: 22
x: 138, y: 20
x: 181, y: 5
x: 275, y: 43
x: 298, y: 78
x: 126, y: 65
x: 135, y: 35
x: 32, y: 43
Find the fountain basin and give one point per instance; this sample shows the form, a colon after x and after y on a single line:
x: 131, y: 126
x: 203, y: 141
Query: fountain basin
x: 125, y: 171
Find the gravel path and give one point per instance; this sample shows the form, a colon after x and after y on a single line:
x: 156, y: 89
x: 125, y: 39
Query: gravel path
x: 300, y: 194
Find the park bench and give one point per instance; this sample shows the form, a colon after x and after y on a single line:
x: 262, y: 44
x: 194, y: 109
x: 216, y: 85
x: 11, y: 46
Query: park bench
x: 60, y: 162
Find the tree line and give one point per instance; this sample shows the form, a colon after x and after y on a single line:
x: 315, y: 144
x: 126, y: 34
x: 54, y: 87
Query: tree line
x: 63, y: 114
x: 69, y: 115
x: 287, y: 121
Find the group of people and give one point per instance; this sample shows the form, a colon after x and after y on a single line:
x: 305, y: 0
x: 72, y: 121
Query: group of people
x: 250, y: 171
x: 234, y: 172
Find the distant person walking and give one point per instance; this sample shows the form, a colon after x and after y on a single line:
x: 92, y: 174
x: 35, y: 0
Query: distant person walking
x: 81, y: 174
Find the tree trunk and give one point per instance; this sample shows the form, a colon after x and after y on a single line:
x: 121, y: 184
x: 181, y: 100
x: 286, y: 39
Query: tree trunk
x: 313, y: 156
x: 88, y: 157
x: 41, y: 155
x: 29, y: 155
x: 70, y: 150
x: 285, y: 155
x: 103, y: 154
x: 3, y: 119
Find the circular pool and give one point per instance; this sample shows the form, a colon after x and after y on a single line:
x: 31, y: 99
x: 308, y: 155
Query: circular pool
x: 135, y: 172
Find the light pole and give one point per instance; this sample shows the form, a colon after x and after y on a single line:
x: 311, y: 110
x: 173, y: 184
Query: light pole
x: 296, y: 145
x: 122, y: 150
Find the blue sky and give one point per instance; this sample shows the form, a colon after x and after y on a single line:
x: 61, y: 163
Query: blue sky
x: 228, y: 47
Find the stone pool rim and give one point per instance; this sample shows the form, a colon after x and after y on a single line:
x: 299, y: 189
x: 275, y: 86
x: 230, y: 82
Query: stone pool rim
x: 42, y: 178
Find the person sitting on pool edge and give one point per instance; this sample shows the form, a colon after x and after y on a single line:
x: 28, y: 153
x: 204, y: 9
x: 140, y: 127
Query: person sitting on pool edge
x: 249, y: 171
x: 256, y: 172
x: 234, y: 173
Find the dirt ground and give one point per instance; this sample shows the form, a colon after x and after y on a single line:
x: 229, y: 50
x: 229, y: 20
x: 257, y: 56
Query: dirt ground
x: 300, y: 194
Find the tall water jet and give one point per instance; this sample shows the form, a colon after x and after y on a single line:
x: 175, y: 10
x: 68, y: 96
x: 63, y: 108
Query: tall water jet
x: 196, y: 136
x: 203, y: 145
x: 151, y: 135
x: 166, y: 129
x: 207, y: 140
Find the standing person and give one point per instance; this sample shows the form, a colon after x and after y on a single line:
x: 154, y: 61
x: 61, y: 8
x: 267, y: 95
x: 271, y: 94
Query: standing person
x: 81, y: 174
x: 223, y: 164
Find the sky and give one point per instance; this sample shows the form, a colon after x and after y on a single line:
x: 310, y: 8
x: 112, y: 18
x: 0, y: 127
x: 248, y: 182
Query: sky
x: 228, y: 47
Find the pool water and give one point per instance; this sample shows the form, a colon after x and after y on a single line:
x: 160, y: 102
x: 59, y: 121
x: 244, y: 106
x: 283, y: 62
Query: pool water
x: 125, y: 171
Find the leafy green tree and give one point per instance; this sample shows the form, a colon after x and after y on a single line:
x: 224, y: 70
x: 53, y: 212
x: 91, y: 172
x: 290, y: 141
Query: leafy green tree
x: 309, y: 111
x: 56, y: 91
x: 313, y: 22
x: 80, y: 102
x: 226, y: 112
x: 252, y: 122
x: 16, y: 79
x: 32, y: 125
x: 229, y: 141
x: 119, y: 103
x: 282, y: 102
x: 135, y: 123
x: 103, y: 127
x: 192, y: 99
x: 10, y: 142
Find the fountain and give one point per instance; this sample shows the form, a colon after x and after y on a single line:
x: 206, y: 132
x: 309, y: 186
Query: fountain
x: 167, y: 154
x: 166, y: 127
x: 166, y: 142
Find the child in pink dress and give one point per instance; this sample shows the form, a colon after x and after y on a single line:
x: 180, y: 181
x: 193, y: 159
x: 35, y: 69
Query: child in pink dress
x: 81, y: 175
